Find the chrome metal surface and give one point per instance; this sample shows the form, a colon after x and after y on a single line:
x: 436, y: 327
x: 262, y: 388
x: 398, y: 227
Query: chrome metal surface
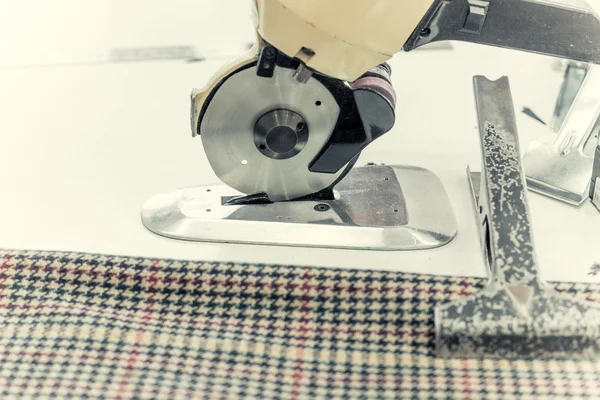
x: 302, y: 73
x: 563, y: 29
x: 595, y: 182
x: 516, y: 315
x: 375, y: 207
x: 228, y: 133
x: 562, y: 170
x: 575, y: 73
x: 280, y: 134
x: 596, y: 193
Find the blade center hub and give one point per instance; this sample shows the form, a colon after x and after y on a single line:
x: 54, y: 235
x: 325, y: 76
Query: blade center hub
x: 282, y: 139
x: 280, y: 134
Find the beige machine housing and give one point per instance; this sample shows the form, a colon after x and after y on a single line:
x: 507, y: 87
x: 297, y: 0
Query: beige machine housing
x: 348, y: 37
x: 345, y: 37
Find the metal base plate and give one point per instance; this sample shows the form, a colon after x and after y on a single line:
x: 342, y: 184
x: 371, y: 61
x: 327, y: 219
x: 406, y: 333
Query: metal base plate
x: 375, y: 207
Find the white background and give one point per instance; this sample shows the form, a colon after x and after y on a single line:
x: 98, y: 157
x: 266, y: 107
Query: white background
x: 83, y: 142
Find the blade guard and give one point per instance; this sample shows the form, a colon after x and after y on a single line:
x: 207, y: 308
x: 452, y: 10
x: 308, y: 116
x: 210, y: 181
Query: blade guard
x: 201, y: 97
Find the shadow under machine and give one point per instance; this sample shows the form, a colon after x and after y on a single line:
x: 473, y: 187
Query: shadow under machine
x: 283, y: 125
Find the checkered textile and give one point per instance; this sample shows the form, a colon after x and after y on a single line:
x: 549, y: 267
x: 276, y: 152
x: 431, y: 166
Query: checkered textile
x: 89, y: 326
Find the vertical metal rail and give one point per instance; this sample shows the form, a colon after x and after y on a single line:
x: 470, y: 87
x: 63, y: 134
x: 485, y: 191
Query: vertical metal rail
x: 595, y: 182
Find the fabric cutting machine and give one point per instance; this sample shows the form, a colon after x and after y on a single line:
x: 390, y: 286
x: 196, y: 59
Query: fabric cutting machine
x: 283, y: 125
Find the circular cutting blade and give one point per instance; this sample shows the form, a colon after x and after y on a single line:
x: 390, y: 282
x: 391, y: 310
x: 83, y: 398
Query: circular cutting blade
x: 228, y: 133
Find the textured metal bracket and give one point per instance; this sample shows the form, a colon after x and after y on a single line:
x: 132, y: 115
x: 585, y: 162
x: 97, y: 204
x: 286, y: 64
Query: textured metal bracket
x: 516, y: 315
x: 562, y: 170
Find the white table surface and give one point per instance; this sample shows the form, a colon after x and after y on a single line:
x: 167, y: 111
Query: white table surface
x: 84, y: 142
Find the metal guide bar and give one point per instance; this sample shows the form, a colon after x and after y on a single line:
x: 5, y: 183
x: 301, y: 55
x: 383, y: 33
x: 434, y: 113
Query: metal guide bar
x: 516, y: 315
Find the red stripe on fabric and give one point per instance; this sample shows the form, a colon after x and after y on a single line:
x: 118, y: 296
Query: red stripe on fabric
x: 123, y: 385
x: 298, y: 369
x: 3, y: 272
x: 465, y: 283
x: 465, y: 380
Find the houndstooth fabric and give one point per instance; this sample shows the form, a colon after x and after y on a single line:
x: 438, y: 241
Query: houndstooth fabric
x: 102, y: 327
